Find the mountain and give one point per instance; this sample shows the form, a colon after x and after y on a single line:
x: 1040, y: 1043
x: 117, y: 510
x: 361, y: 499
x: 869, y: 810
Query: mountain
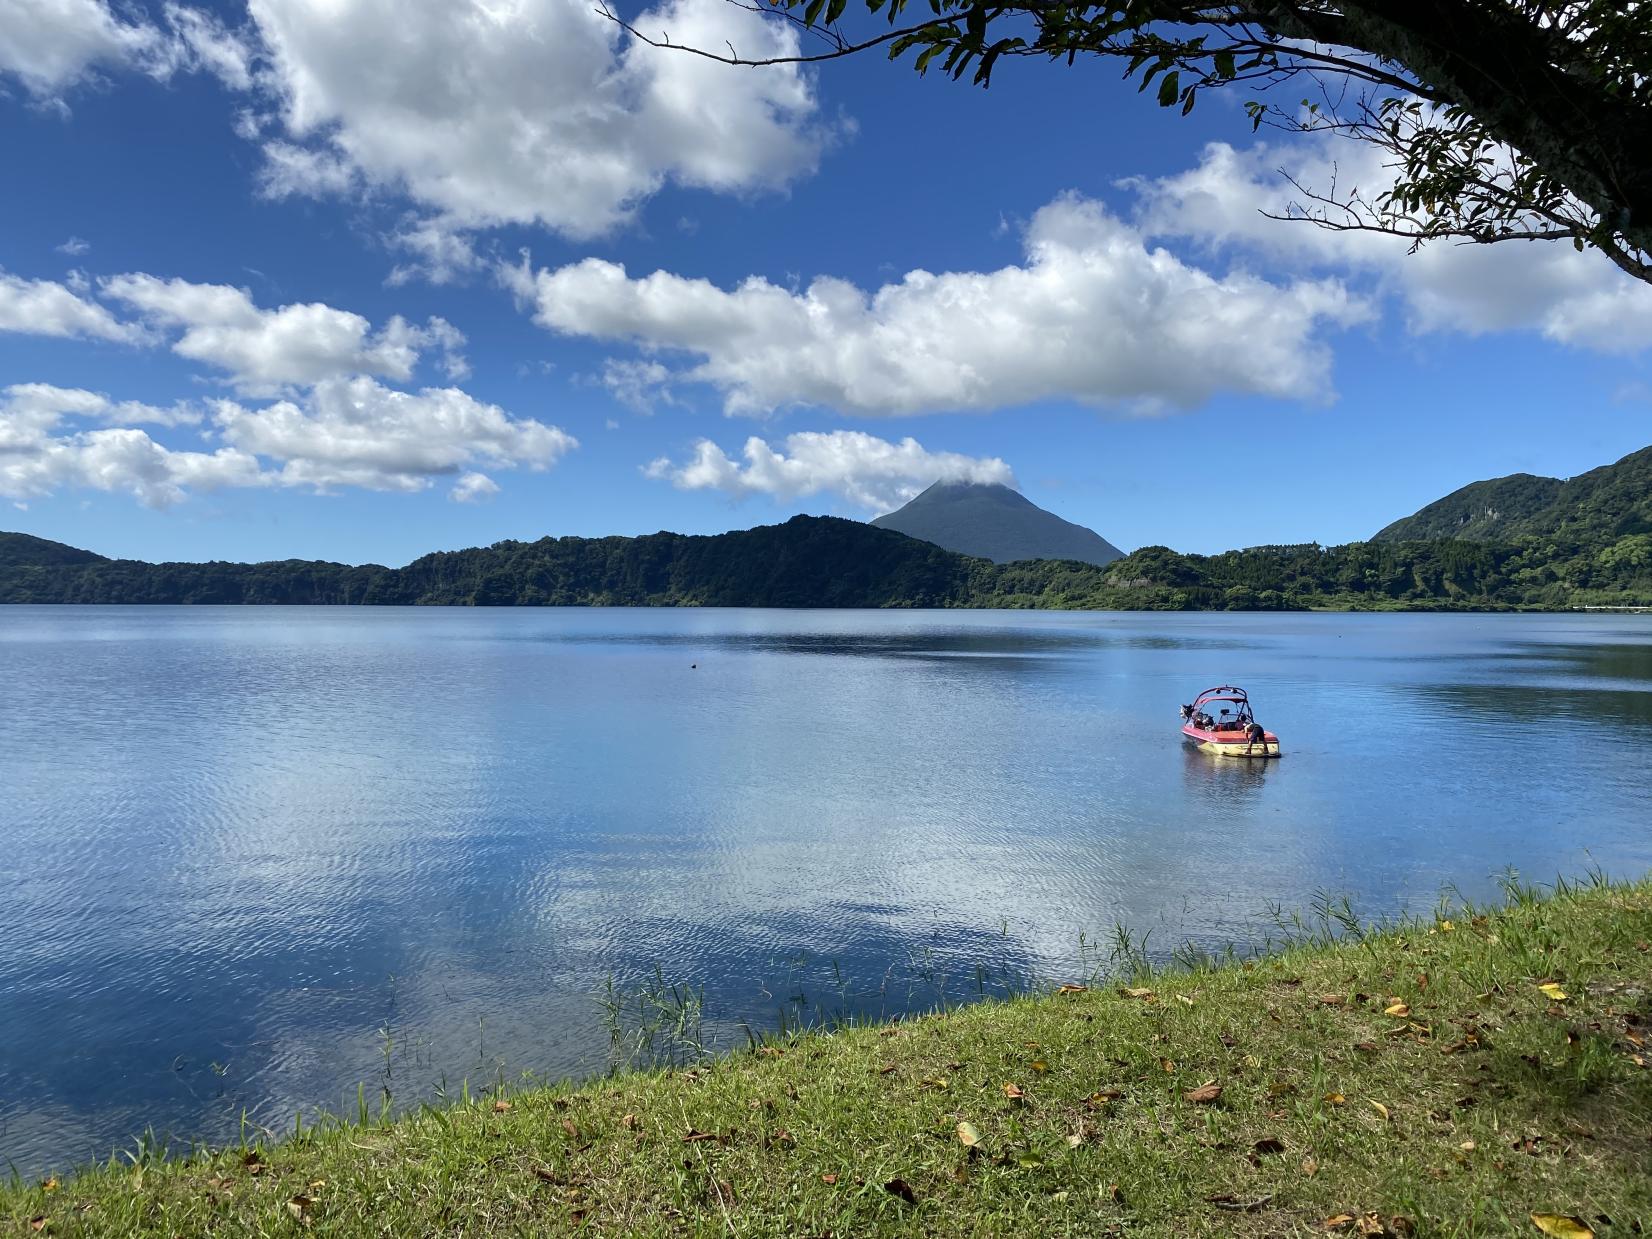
x: 1603, y: 505
x: 806, y: 562
x: 996, y: 523
x: 25, y: 550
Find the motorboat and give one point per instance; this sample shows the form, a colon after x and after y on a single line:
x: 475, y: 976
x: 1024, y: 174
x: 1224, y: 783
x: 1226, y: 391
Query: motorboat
x: 1221, y: 723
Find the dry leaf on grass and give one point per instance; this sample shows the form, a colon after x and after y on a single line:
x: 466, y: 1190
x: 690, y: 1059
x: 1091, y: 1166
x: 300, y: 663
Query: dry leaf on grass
x: 968, y: 1136
x: 1550, y: 990
x: 1205, y: 1094
x: 1562, y: 1226
x: 1070, y: 988
x: 1379, y: 1108
x: 1014, y: 1093
x: 903, y: 1189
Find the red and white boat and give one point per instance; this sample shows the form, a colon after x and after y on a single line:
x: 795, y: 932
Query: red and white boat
x: 1220, y: 722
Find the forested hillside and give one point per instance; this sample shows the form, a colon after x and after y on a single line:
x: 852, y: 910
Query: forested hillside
x: 1597, y: 508
x: 827, y: 562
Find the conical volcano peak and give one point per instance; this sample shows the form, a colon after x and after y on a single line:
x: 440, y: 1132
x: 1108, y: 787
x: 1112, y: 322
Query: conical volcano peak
x: 995, y: 522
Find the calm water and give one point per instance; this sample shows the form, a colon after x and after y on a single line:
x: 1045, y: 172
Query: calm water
x: 251, y: 858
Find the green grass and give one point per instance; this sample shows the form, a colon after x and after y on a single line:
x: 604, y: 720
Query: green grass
x: 1412, y: 1081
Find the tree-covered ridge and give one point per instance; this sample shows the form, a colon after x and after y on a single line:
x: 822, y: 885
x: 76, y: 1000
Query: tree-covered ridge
x: 828, y: 562
x: 1600, y: 506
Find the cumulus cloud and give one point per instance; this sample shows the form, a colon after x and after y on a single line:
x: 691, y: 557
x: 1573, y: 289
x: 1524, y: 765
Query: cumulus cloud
x: 473, y: 488
x: 74, y: 247
x: 265, y: 351
x: 39, y: 456
x: 53, y: 45
x: 1572, y: 298
x: 1092, y: 314
x: 344, y: 433
x: 869, y: 472
x: 490, y: 112
x: 356, y: 432
x: 46, y: 308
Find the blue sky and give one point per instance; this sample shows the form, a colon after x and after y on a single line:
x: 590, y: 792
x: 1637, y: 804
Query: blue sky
x: 360, y: 280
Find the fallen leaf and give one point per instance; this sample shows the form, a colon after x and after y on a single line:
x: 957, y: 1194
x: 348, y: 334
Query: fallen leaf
x: 828, y: 1179
x: 693, y: 1137
x: 1167, y: 1065
x: 968, y: 1136
x: 1014, y: 1093
x: 1366, y: 1047
x: 1550, y: 990
x: 1332, y: 1000
x: 1184, y: 999
x: 886, y: 1069
x: 1397, y: 1009
x: 1562, y: 1226
x: 50, y: 1185
x: 1131, y: 991
x: 1340, y: 1221
x: 1310, y: 1167
x: 1074, y: 1140
x: 1028, y: 1160
x: 1370, y: 1224
x: 1114, y: 1194
x: 1070, y: 988
x: 568, y: 1126
x: 770, y: 1051
x: 629, y: 1122
x: 1205, y: 1094
x: 1336, y: 1099
x: 500, y: 1106
x: 1402, y: 1226
x: 933, y: 1082
x: 1039, y: 1065
x: 301, y: 1206
x: 1380, y: 1109
x: 903, y: 1189
x: 39, y: 1222
x: 1102, y: 1096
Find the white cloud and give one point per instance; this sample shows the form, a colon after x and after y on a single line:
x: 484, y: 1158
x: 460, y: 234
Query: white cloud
x: 351, y: 432
x: 488, y: 112
x: 51, y: 45
x: 869, y: 472
x: 45, y: 308
x: 436, y: 253
x: 1573, y: 298
x: 1093, y: 315
x: 268, y: 350
x: 473, y: 488
x: 35, y: 461
x: 74, y: 247
x: 356, y: 432
x: 54, y: 45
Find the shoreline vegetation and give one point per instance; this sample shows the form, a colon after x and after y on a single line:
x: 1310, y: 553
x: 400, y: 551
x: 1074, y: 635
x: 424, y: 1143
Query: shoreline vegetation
x: 1478, y: 1071
x: 828, y: 562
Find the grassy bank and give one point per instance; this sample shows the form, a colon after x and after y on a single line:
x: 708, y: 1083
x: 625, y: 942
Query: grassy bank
x: 1448, y: 1077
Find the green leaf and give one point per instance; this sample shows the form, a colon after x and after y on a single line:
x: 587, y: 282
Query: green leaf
x: 834, y: 10
x: 1224, y: 64
x: 813, y: 11
x: 1169, y: 88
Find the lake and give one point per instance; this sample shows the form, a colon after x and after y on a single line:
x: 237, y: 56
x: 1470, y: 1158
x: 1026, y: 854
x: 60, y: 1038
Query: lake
x: 254, y: 858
